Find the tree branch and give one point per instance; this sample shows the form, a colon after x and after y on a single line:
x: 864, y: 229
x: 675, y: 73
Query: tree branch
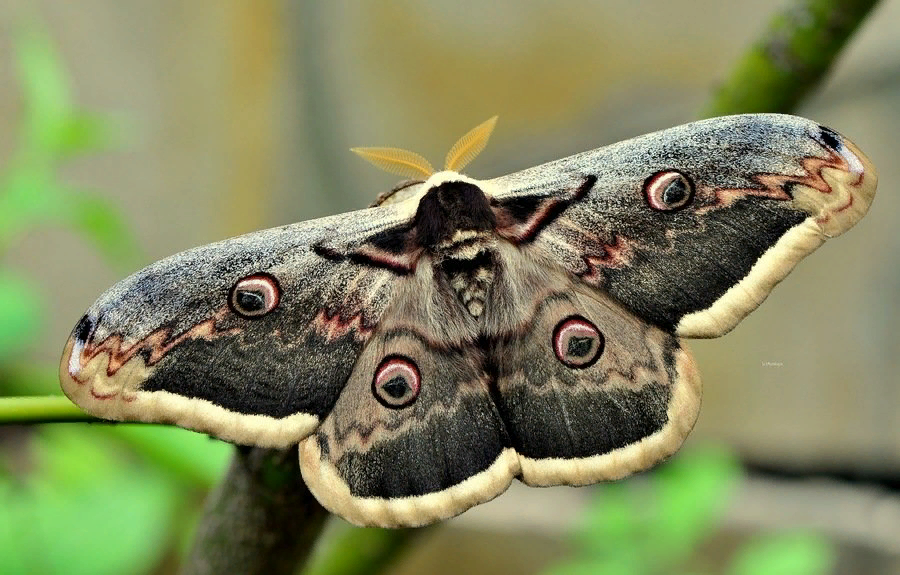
x: 791, y: 58
x: 260, y: 519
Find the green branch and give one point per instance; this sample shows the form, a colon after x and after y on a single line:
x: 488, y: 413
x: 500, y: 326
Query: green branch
x: 42, y: 409
x: 791, y: 59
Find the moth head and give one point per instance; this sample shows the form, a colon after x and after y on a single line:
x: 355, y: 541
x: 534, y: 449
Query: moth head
x: 456, y: 205
x: 449, y: 201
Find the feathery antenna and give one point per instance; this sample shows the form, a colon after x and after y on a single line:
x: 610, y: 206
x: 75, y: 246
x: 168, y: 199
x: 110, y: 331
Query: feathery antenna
x: 397, y: 161
x: 412, y: 165
x: 469, y: 146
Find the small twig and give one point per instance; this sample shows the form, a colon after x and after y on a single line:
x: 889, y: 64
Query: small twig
x: 791, y: 58
x: 41, y: 409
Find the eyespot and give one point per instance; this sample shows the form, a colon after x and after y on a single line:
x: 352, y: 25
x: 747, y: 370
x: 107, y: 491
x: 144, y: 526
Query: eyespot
x: 577, y: 342
x: 396, y: 382
x: 255, y: 296
x: 668, y: 191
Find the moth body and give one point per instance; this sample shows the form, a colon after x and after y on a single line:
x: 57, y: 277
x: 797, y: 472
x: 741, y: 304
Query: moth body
x: 462, y: 333
x: 456, y: 226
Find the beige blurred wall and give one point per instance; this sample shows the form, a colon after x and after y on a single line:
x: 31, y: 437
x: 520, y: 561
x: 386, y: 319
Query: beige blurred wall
x: 237, y: 116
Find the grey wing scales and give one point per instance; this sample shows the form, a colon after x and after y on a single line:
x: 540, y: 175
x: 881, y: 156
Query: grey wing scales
x: 510, y: 404
x: 764, y: 191
x: 589, y: 392
x: 385, y: 460
x: 166, y: 345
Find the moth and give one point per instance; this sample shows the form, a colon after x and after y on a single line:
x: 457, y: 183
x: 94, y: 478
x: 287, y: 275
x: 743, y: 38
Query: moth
x: 463, y: 333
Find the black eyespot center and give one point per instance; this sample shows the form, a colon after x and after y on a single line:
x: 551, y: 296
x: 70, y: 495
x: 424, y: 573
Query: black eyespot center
x: 255, y: 295
x: 396, y: 387
x: 250, y: 300
x: 675, y: 192
x: 579, y: 346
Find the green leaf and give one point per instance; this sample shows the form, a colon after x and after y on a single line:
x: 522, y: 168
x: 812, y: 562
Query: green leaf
x: 45, y: 89
x: 12, y: 515
x: 74, y: 455
x: 81, y: 133
x: 29, y: 195
x: 652, y: 526
x: 88, y: 513
x: 795, y: 554
x: 20, y: 377
x: 190, y: 457
x: 596, y: 567
x: 611, y: 521
x: 101, y: 223
x: 52, y: 127
x: 691, y: 493
x: 20, y: 313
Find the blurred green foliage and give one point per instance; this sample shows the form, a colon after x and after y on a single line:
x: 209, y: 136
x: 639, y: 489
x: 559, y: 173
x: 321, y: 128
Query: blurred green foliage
x: 78, y: 499
x: 84, y: 508
x: 656, y: 526
x: 53, y: 131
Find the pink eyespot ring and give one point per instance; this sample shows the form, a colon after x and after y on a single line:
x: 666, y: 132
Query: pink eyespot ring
x: 255, y: 295
x: 397, y: 382
x: 668, y: 191
x: 577, y: 342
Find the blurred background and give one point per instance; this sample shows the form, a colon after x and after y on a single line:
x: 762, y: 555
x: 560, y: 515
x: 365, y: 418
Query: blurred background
x: 130, y: 131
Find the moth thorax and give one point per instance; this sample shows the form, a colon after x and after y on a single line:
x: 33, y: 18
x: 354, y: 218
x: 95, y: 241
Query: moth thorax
x: 470, y: 275
x: 449, y: 209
